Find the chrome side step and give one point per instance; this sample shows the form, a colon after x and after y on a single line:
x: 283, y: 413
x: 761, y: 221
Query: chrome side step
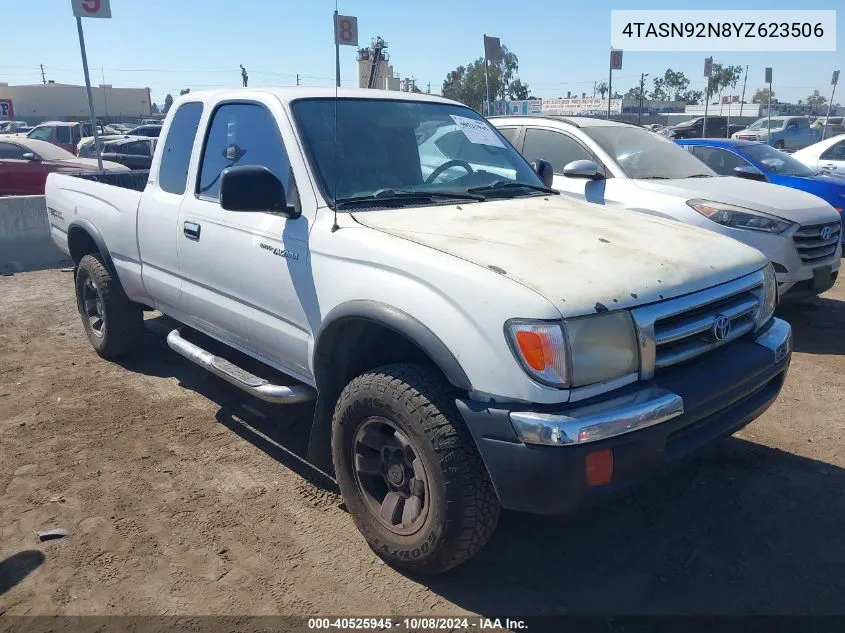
x: 231, y: 373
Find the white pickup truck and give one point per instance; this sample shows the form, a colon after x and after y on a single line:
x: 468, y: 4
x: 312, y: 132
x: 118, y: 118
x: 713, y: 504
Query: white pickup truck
x: 471, y: 343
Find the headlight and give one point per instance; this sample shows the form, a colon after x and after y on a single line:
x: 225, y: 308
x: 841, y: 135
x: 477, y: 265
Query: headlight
x: 739, y: 217
x: 594, y: 349
x: 541, y: 350
x: 769, y: 298
x: 602, y: 347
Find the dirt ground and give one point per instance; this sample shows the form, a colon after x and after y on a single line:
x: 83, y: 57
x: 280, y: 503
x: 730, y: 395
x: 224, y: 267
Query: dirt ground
x: 182, y: 498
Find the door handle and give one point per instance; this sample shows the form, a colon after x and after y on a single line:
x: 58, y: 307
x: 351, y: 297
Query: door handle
x: 191, y: 231
x: 830, y: 167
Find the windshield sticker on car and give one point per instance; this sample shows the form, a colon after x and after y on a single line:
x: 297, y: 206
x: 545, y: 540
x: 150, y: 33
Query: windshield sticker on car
x: 477, y: 131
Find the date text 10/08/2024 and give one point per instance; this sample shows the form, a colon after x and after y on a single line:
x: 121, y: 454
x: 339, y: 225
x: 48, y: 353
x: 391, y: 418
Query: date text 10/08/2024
x: 415, y: 624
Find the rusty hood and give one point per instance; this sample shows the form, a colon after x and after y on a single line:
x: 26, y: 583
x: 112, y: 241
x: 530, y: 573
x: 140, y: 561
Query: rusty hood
x: 580, y: 256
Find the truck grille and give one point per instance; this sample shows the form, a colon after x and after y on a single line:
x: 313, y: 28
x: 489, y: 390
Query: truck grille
x: 678, y: 330
x: 812, y: 247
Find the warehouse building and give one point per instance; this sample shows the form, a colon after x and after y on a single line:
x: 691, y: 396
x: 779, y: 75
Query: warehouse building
x: 51, y: 101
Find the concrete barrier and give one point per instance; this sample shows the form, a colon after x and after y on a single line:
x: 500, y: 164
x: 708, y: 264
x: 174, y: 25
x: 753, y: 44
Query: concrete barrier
x: 25, y: 242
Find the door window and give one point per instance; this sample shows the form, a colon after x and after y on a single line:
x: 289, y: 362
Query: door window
x: 722, y: 161
x: 176, y: 157
x: 555, y: 147
x: 241, y: 134
x: 834, y: 152
x: 10, y: 150
x: 510, y: 133
x: 63, y: 135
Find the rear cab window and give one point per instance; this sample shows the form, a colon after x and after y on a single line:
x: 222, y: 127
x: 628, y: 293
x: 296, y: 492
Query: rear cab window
x: 176, y: 155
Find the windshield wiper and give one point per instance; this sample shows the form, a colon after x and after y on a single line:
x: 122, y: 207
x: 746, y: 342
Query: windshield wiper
x: 392, y: 196
x: 654, y: 178
x: 501, y: 184
x: 700, y: 176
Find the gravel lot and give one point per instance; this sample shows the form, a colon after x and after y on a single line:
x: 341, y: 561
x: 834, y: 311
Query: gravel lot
x: 182, y: 498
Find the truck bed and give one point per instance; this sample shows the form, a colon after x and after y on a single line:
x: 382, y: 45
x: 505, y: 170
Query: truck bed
x: 136, y: 180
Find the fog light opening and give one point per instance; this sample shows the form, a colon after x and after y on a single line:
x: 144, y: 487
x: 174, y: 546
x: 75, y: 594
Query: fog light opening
x: 599, y: 467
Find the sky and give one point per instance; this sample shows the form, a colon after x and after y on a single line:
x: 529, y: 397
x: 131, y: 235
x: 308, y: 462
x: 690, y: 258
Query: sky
x: 168, y: 45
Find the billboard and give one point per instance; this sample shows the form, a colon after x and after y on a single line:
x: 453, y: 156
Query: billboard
x: 580, y: 107
x: 7, y: 110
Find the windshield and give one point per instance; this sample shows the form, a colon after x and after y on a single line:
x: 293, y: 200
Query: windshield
x: 761, y: 124
x: 776, y: 161
x: 408, y: 146
x: 642, y: 154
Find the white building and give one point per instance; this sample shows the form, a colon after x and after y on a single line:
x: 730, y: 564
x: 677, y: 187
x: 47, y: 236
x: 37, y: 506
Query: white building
x: 44, y: 102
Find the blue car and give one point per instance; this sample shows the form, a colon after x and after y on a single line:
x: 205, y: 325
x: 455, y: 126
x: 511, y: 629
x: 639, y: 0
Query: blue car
x: 758, y: 161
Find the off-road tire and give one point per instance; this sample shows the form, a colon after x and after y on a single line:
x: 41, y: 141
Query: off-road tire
x: 122, y: 319
x: 462, y: 507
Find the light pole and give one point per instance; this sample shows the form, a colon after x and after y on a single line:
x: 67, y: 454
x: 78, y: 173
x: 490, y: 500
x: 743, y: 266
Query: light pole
x: 640, y: 109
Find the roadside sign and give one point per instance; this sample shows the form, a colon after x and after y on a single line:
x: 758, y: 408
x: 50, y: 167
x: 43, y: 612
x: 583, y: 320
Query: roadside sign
x: 768, y: 75
x: 346, y: 30
x: 492, y: 48
x: 615, y: 59
x: 835, y: 79
x: 91, y: 8
x: 7, y: 111
x: 708, y: 66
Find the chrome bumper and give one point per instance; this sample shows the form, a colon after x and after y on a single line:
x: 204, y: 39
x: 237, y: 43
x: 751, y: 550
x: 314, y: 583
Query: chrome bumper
x: 624, y: 414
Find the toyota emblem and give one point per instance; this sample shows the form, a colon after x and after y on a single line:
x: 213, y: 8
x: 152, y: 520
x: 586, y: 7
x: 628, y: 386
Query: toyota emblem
x: 826, y: 233
x: 721, y: 327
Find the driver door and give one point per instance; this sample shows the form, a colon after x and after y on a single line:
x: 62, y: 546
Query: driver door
x: 832, y: 160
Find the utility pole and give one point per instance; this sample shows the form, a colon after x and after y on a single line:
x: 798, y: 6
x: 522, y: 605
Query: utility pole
x: 642, y: 96
x: 297, y: 79
x: 105, y: 97
x: 594, y: 90
x: 428, y: 88
x: 742, y: 100
x: 43, y: 78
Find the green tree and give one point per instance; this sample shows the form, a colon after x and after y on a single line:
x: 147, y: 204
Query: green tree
x: 602, y: 88
x: 761, y: 95
x: 168, y: 101
x: 816, y: 100
x: 467, y: 84
x: 690, y: 97
x: 633, y: 93
x: 672, y: 86
x: 184, y: 92
x: 722, y: 77
x: 155, y: 109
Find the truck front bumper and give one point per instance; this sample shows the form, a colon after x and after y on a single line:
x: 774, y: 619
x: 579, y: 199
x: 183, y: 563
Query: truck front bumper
x: 537, y: 458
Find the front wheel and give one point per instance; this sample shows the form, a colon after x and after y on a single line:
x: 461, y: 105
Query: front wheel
x: 780, y: 144
x: 409, y: 471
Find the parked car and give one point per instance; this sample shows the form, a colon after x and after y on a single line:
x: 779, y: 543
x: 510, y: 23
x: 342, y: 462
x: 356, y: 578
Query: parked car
x: 65, y: 134
x: 717, y: 127
x: 146, y: 130
x: 827, y: 155
x: 472, y: 342
x: 134, y: 152
x: 757, y: 161
x: 835, y: 126
x: 25, y: 163
x: 14, y: 127
x: 150, y: 122
x: 784, y: 132
x: 629, y: 168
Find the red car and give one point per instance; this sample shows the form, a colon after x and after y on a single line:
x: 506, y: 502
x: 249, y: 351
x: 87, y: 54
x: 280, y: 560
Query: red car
x: 25, y: 163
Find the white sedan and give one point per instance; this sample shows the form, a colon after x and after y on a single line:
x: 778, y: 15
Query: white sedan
x: 825, y: 156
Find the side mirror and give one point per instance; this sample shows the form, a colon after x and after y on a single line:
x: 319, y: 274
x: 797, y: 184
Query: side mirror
x: 544, y: 169
x: 583, y: 169
x: 30, y: 156
x: 749, y: 172
x: 253, y: 188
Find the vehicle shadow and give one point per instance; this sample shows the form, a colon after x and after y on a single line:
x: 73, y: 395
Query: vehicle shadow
x: 818, y: 325
x: 17, y: 567
x: 744, y: 529
x: 282, y: 432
